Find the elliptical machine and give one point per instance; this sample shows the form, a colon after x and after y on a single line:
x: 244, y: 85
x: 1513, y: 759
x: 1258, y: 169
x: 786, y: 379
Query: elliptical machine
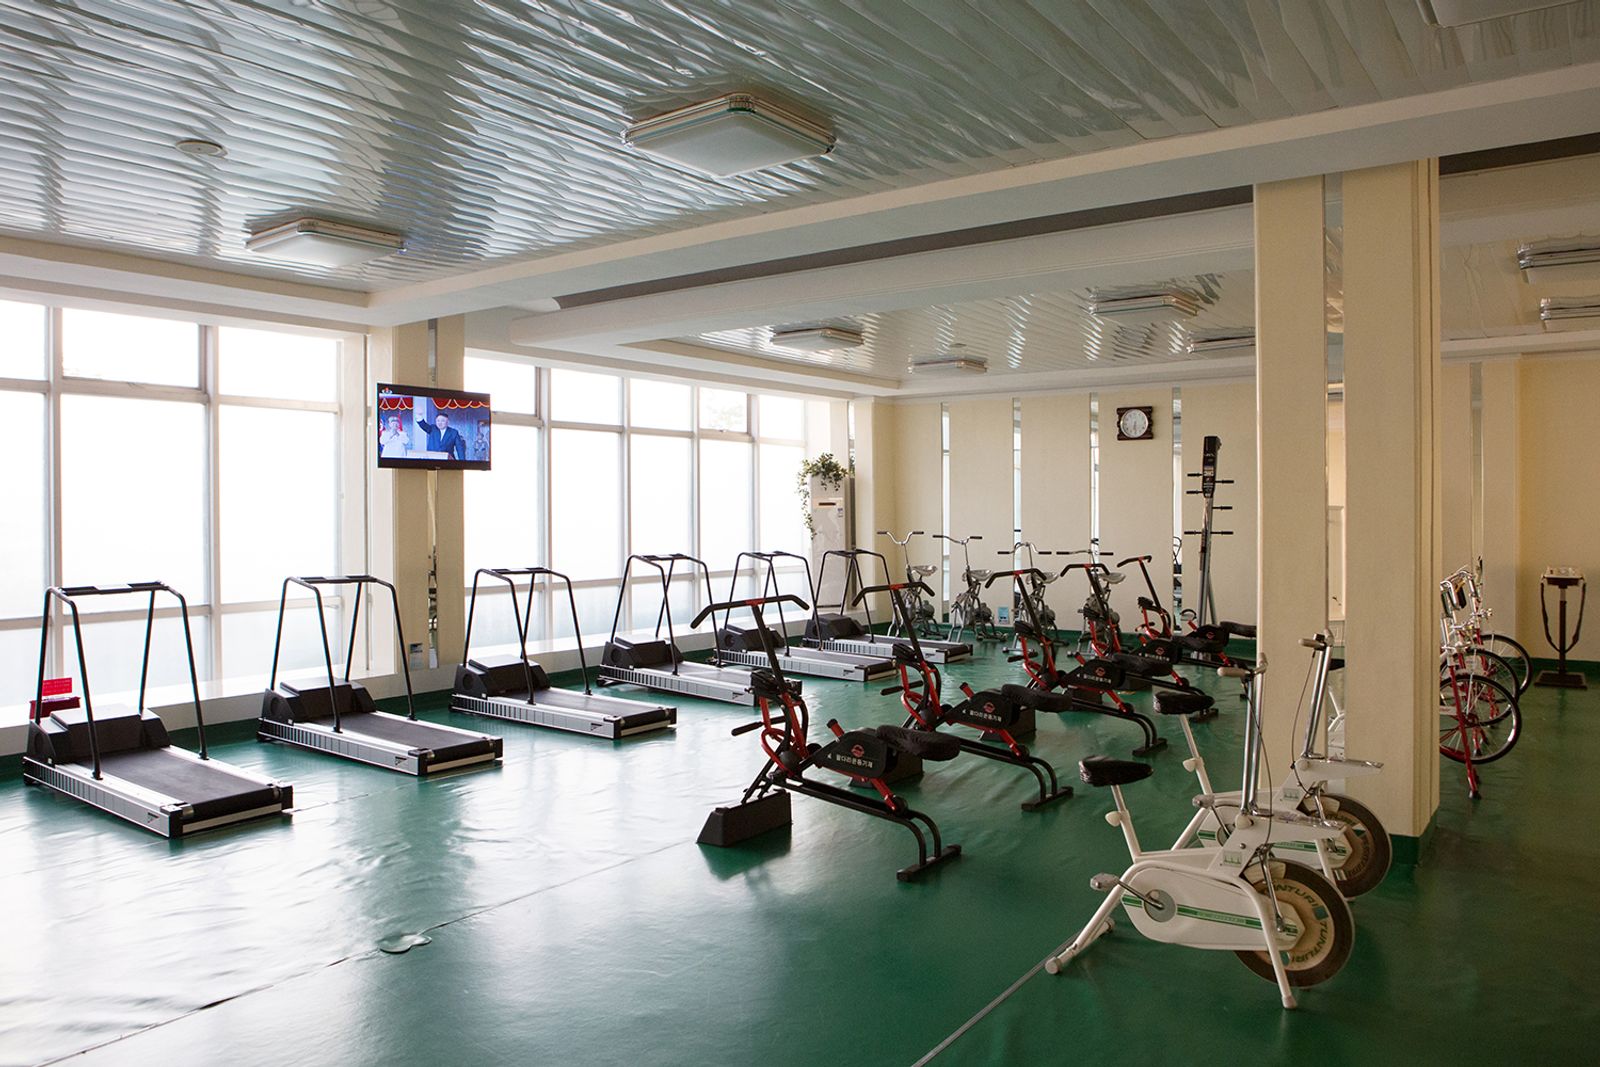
x: 866, y: 757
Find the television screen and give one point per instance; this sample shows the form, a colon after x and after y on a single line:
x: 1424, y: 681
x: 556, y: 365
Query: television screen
x: 432, y: 429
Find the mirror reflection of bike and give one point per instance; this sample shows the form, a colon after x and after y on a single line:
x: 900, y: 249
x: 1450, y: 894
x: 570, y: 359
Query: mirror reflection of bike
x: 968, y: 611
x: 923, y: 615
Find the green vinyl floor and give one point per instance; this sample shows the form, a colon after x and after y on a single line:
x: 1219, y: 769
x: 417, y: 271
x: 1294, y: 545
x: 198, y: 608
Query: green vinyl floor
x: 573, y: 920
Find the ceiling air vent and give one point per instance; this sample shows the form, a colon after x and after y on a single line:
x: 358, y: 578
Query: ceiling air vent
x: 1563, y: 258
x: 323, y: 243
x: 949, y: 363
x: 817, y: 338
x: 733, y: 134
x: 1223, y: 340
x: 1144, y: 305
x: 1569, y: 313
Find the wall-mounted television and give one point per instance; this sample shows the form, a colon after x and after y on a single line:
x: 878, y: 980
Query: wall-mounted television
x: 423, y: 428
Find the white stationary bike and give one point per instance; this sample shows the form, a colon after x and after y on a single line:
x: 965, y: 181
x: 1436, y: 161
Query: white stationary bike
x: 1355, y: 862
x: 1298, y: 934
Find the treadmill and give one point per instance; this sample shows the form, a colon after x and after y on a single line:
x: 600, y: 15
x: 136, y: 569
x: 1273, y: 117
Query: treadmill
x: 121, y: 760
x: 517, y: 689
x: 746, y: 646
x: 341, y: 719
x: 839, y: 632
x: 658, y: 664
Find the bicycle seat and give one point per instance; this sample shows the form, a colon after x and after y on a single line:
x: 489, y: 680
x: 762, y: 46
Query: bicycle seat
x: 923, y: 569
x: 1108, y: 770
x: 1112, y: 577
x: 1172, y: 702
x: 1148, y: 605
x: 980, y: 575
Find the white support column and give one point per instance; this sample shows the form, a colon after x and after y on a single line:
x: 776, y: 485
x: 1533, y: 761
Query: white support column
x: 1392, y: 455
x: 1291, y: 441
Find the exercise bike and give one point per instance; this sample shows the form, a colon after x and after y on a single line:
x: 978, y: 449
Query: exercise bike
x: 1355, y: 863
x: 866, y: 757
x: 1202, y: 645
x: 923, y: 617
x: 968, y: 611
x: 997, y: 715
x: 1284, y: 920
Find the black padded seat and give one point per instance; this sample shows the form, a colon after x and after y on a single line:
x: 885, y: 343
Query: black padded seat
x: 924, y: 743
x: 1203, y: 644
x: 1029, y: 697
x: 1173, y: 702
x: 1108, y: 770
x: 1239, y: 629
x: 1134, y: 663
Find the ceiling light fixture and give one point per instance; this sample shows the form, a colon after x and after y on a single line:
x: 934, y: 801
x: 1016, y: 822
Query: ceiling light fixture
x: 199, y: 146
x: 1223, y: 339
x: 1463, y: 12
x: 1144, y: 305
x: 1569, y: 313
x: 733, y: 134
x: 818, y: 339
x: 1555, y: 259
x: 323, y: 243
x: 950, y: 363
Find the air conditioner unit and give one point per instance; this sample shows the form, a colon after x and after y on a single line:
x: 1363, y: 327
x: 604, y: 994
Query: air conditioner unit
x: 1558, y: 313
x: 1223, y: 340
x: 324, y: 243
x: 949, y: 364
x: 732, y: 134
x: 1561, y: 259
x: 818, y: 339
x: 1144, y: 305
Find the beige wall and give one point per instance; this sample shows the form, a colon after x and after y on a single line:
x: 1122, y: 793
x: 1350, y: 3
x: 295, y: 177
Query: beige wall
x: 1135, y: 499
x: 1560, y: 489
x: 1502, y: 499
x: 1229, y: 412
x: 1455, y: 463
x: 980, y: 477
x: 1055, y: 474
x: 919, y: 487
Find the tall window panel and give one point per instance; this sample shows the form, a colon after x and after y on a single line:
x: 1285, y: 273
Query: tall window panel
x: 283, y: 366
x: 22, y: 340
x: 661, y: 496
x: 586, y: 503
x: 725, y: 501
x: 24, y: 481
x: 129, y: 348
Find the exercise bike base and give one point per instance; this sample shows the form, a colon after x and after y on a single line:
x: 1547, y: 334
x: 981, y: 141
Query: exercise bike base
x: 1558, y: 680
x: 1038, y: 802
x: 735, y: 823
x: 1155, y: 746
x: 911, y: 873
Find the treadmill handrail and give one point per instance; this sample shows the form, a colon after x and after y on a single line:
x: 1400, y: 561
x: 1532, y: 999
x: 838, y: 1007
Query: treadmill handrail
x: 852, y: 577
x: 666, y: 593
x: 509, y: 576
x: 68, y: 595
x: 751, y: 603
x: 313, y: 583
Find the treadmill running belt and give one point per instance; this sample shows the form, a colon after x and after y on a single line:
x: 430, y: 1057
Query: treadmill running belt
x: 209, y: 787
x: 402, y: 731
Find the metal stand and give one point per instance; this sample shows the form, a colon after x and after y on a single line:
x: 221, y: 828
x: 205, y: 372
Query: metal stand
x: 1205, y: 608
x: 1563, y: 578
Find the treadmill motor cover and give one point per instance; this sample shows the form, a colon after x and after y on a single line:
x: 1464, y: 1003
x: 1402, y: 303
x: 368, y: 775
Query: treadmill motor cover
x: 834, y: 628
x: 748, y: 639
x: 641, y: 654
x: 313, y: 703
x: 499, y: 676
x: 64, y: 736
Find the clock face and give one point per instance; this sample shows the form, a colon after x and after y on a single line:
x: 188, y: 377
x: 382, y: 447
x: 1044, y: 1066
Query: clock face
x: 1133, y: 423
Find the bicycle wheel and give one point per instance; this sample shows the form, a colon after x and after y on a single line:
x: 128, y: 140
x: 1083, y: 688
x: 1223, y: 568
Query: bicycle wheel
x: 1367, y: 848
x: 1512, y: 651
x: 1479, y: 717
x: 1479, y: 660
x: 1327, y: 929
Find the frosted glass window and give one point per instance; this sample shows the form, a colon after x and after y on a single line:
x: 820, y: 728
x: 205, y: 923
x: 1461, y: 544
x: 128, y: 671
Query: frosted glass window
x: 279, y: 505
x: 19, y: 664
x: 782, y: 522
x: 644, y: 598
x: 494, y: 625
x: 23, y: 486
x: 502, y: 504
x: 22, y: 348
x: 659, y: 405
x: 660, y: 495
x: 596, y: 604
x: 576, y: 396
x: 247, y: 639
x: 725, y: 505
x: 284, y: 365
x: 513, y: 387
x: 133, y: 493
x: 782, y: 416
x: 129, y: 348
x: 723, y: 409
x: 586, y: 503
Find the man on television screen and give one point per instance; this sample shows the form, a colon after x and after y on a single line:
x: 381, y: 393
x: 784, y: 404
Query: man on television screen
x: 444, y: 438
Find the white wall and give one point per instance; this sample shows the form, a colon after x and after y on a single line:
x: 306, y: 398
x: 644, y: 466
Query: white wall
x: 1455, y: 463
x: 919, y: 487
x: 1229, y: 412
x: 980, y: 478
x: 1135, y: 498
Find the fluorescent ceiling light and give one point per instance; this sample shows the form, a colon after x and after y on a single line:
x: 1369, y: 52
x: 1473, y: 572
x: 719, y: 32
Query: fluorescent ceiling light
x: 1563, y: 258
x: 817, y: 339
x: 1464, y: 12
x: 321, y: 243
x: 949, y: 364
x: 733, y: 134
x: 1144, y: 305
x: 1569, y: 313
x: 1224, y: 339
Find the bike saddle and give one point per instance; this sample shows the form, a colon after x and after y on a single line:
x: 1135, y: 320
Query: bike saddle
x: 980, y: 576
x: 923, y: 569
x: 1108, y: 770
x: 1171, y: 702
x: 1112, y: 577
x: 924, y: 743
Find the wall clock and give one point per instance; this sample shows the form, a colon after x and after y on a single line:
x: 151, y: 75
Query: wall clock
x: 1133, y: 424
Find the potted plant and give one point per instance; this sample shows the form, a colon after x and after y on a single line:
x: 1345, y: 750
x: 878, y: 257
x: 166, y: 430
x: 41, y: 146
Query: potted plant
x: 828, y: 472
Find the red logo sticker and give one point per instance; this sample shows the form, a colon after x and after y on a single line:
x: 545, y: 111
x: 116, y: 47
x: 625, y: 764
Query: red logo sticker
x: 857, y: 751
